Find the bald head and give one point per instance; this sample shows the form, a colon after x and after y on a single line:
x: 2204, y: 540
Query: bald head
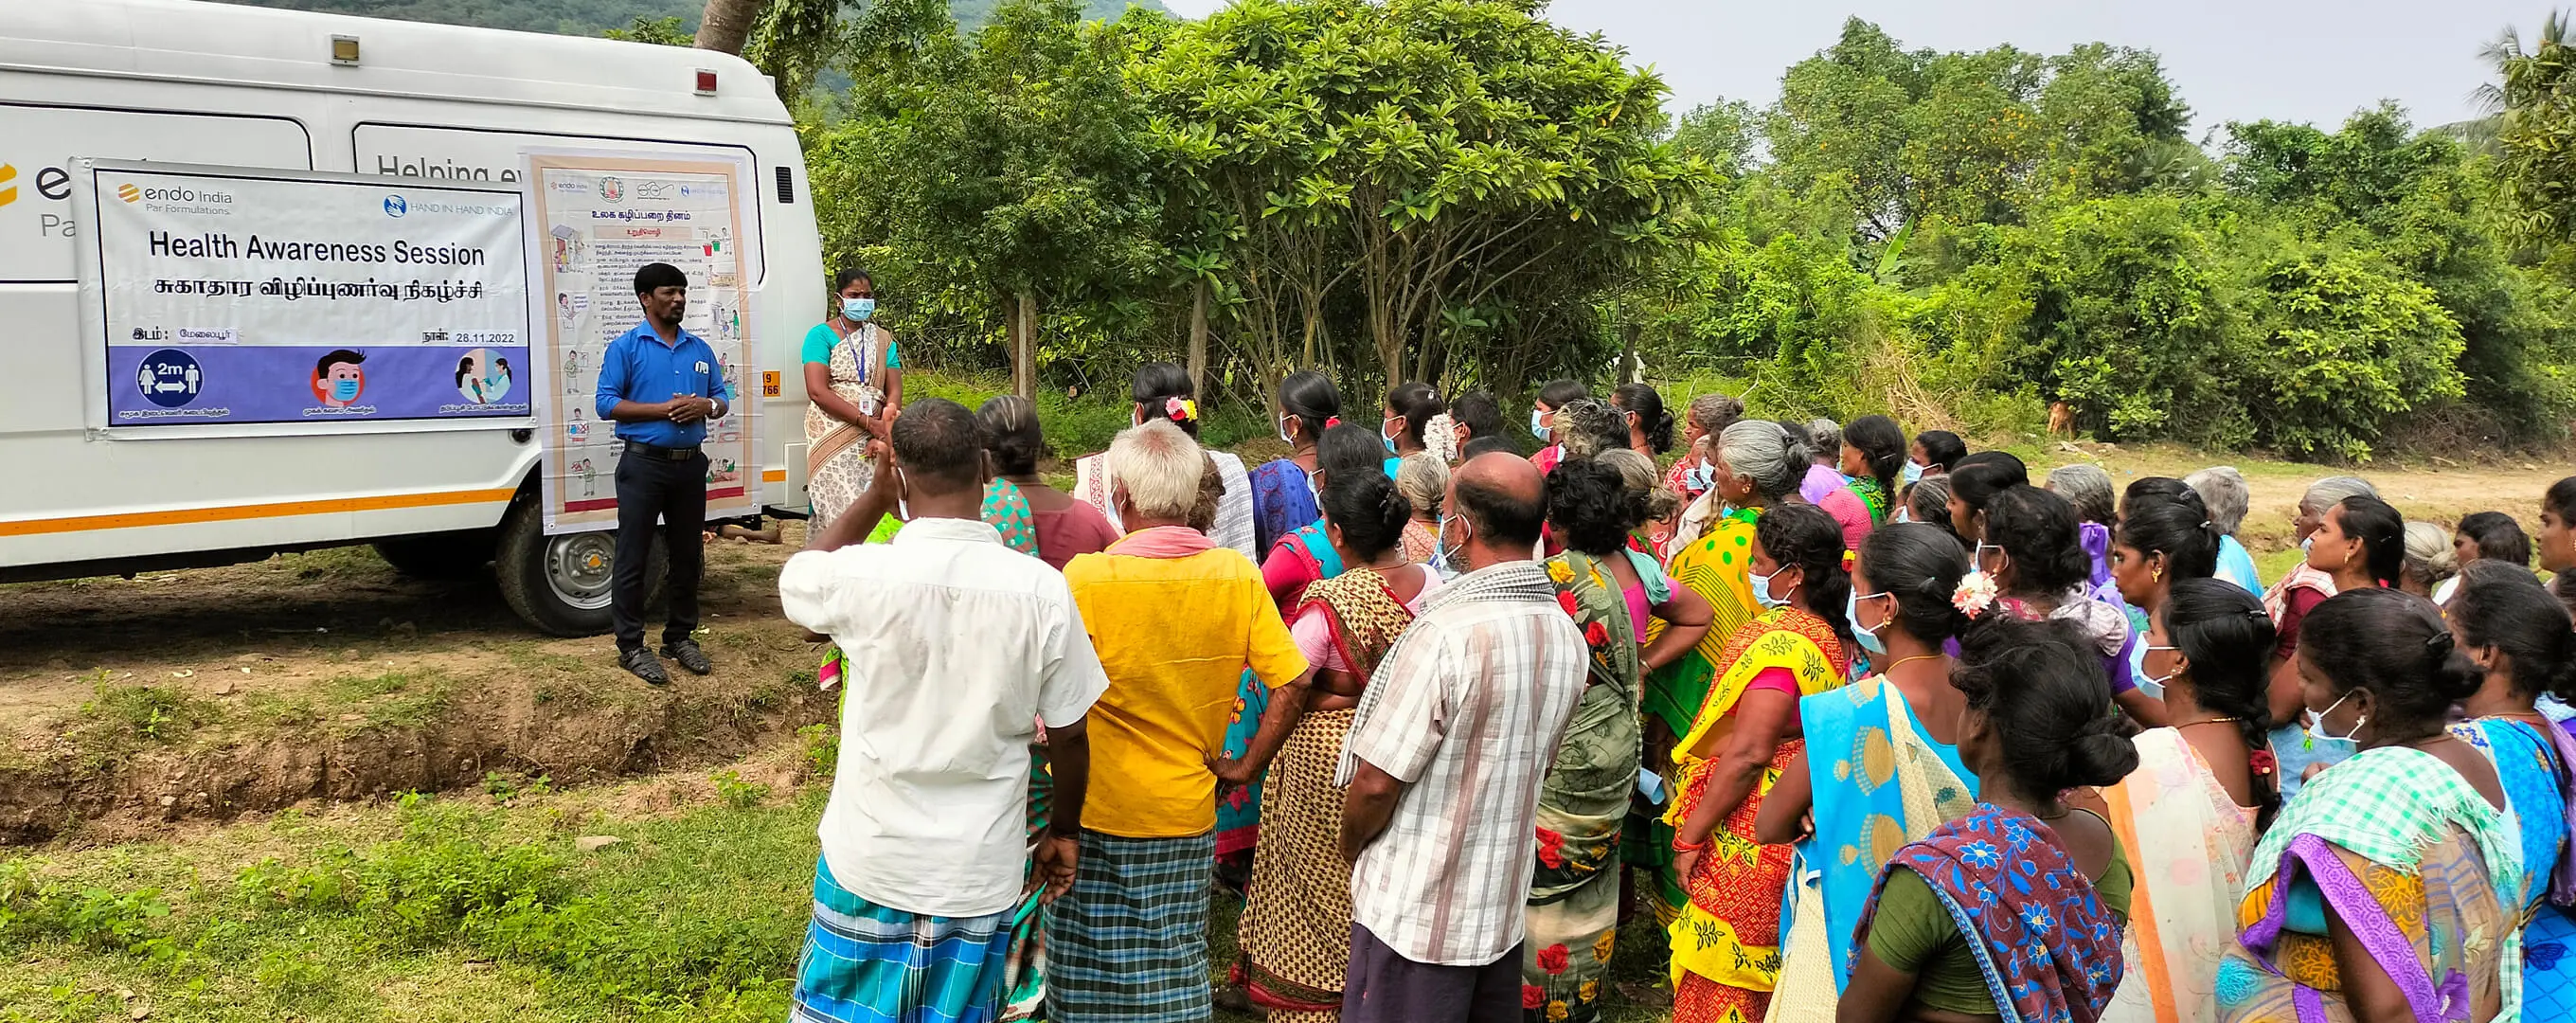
x: 1503, y: 499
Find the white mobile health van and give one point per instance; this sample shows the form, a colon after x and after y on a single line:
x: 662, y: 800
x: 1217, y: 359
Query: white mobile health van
x: 222, y: 85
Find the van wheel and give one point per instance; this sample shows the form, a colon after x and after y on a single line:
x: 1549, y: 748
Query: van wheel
x: 457, y: 555
x: 560, y: 584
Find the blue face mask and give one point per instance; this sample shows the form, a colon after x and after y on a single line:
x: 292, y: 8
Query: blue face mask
x: 857, y: 310
x: 1867, y: 638
x: 1762, y: 591
x: 1700, y: 478
x: 345, y: 389
x: 1386, y: 435
x: 1537, y: 428
x: 1449, y: 561
x: 1911, y: 474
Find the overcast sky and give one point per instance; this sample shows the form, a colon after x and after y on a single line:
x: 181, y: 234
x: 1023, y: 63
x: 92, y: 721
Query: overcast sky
x: 2296, y: 60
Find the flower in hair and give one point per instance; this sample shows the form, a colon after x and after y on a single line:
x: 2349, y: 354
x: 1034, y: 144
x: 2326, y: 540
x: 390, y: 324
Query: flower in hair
x: 1976, y: 592
x: 1332, y: 421
x: 1850, y: 558
x: 2262, y: 761
x: 1181, y: 410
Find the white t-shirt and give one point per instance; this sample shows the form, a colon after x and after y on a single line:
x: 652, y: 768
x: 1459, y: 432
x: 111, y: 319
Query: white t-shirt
x: 957, y: 647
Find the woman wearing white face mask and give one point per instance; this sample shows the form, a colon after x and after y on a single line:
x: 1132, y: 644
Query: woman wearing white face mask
x: 853, y: 389
x: 2358, y: 897
x: 2202, y: 793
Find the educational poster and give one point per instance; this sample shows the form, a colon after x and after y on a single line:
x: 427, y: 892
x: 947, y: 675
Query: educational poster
x: 594, y: 220
x: 247, y: 296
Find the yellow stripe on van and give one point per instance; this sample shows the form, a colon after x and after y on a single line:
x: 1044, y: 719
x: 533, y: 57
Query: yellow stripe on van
x: 774, y: 476
x: 238, y: 512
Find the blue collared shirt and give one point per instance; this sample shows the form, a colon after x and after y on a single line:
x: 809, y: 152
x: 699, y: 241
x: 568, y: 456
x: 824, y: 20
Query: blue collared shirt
x: 640, y: 368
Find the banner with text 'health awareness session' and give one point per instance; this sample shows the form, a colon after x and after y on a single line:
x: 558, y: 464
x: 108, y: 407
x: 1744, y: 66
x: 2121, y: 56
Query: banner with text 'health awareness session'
x: 249, y: 296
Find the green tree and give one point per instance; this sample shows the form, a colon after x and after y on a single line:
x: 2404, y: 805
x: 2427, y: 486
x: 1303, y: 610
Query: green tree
x: 1429, y: 155
x: 997, y: 179
x: 2534, y: 102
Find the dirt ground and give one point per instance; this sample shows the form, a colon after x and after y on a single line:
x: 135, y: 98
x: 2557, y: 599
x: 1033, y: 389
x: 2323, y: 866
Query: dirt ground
x: 130, y: 704
x: 2427, y: 489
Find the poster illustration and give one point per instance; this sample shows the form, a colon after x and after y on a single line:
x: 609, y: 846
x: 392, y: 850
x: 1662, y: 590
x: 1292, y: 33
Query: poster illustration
x: 247, y: 296
x: 594, y: 219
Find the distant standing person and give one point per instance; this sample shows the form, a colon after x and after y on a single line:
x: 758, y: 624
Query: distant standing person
x: 853, y: 385
x: 659, y: 383
x: 1443, y: 764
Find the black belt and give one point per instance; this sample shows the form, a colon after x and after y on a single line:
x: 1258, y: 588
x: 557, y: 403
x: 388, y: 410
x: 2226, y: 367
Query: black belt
x: 636, y: 447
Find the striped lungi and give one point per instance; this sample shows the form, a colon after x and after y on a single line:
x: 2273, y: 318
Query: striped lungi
x: 866, y: 963
x: 1129, y: 942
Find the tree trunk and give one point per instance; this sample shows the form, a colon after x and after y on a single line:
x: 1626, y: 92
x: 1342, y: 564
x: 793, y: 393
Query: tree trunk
x: 726, y: 25
x: 1198, y: 339
x: 1024, y: 348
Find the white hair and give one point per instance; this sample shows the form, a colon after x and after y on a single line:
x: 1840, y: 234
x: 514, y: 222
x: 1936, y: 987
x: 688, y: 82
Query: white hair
x: 1423, y: 479
x: 2330, y: 491
x: 1159, y: 467
x: 2429, y: 553
x: 1769, y: 454
x: 2222, y: 490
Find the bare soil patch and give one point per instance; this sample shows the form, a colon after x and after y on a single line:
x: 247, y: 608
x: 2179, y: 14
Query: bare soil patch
x: 127, y: 706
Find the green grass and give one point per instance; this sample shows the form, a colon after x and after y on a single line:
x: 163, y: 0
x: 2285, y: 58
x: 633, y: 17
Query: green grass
x: 427, y: 910
x: 443, y: 910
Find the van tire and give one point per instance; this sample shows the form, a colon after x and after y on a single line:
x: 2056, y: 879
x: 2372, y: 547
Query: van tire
x: 559, y: 583
x: 457, y: 555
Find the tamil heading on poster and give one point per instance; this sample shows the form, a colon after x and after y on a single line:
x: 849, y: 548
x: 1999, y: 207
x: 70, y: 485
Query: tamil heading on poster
x: 242, y: 296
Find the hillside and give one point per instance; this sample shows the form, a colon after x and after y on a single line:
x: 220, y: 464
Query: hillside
x: 591, y: 17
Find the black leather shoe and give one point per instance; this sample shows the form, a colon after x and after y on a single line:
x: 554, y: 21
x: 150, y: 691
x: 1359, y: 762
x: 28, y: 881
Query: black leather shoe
x: 687, y: 653
x: 644, y: 665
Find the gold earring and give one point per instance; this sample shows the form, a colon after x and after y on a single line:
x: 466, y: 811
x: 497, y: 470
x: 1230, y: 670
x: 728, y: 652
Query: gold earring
x: 2156, y: 574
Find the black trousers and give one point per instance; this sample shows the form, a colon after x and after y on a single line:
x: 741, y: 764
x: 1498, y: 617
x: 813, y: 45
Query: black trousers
x: 675, y: 493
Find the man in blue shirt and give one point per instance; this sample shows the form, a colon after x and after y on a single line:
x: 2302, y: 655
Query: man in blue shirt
x: 661, y: 385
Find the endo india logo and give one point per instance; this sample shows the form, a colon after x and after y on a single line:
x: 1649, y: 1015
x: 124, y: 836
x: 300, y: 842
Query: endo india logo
x: 129, y: 192
x: 395, y: 206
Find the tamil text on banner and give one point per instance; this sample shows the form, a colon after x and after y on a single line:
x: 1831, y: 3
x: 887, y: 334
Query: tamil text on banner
x: 594, y: 220
x: 264, y: 297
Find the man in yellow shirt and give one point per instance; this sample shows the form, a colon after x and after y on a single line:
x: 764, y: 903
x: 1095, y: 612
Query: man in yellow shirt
x: 1176, y: 621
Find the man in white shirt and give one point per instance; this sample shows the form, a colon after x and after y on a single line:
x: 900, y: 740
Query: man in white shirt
x: 957, y: 648
x: 1444, y: 761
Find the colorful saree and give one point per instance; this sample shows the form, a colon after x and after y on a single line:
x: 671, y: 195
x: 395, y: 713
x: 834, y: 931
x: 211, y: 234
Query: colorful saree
x: 1573, y: 916
x: 1713, y: 565
x: 1726, y: 945
x: 1874, y: 496
x: 2534, y: 769
x: 1296, y: 929
x: 2048, y: 945
x: 2419, y: 866
x: 1238, y: 815
x: 2188, y: 844
x: 1879, y: 781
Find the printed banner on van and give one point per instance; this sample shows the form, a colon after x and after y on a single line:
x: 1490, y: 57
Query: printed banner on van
x: 237, y: 298
x: 595, y: 220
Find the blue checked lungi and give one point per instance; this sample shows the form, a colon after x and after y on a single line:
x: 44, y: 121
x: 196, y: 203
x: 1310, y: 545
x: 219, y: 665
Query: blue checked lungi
x: 1129, y: 943
x: 865, y: 963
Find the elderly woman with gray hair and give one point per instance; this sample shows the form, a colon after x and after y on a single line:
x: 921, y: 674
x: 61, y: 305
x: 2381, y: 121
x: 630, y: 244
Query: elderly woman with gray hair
x: 2223, y: 491
x: 1753, y: 466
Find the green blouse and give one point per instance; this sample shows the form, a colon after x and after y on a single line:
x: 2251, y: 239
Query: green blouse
x: 1913, y: 934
